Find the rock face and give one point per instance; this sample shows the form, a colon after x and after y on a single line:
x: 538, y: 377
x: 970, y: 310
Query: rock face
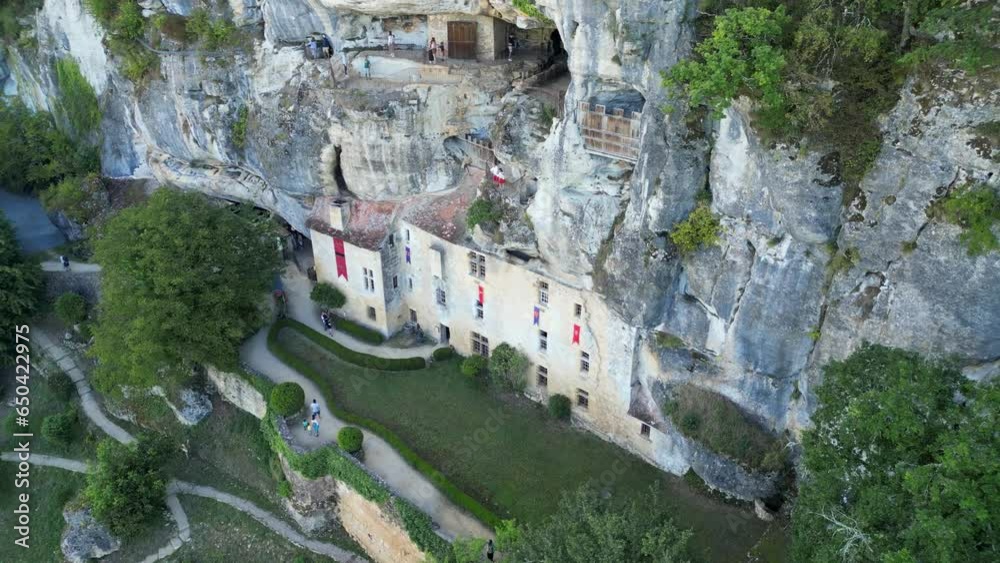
x: 235, y: 389
x: 758, y: 314
x: 84, y: 539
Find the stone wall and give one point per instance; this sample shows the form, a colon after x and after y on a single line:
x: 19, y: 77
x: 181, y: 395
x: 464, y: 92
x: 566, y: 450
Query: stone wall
x: 238, y: 391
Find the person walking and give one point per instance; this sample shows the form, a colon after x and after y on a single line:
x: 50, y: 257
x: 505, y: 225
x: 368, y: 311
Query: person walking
x: 490, y: 550
x: 390, y: 43
x: 510, y: 47
x: 432, y: 49
x: 314, y: 409
x: 368, y: 68
x: 305, y: 424
x: 315, y: 427
x: 65, y: 262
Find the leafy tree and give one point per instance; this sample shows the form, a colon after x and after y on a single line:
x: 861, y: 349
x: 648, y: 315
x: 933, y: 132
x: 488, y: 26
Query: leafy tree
x: 127, y: 485
x: 81, y: 199
x: 182, y: 284
x: 21, y: 286
x: 590, y: 527
x: 328, y: 296
x: 71, y: 308
x: 507, y: 367
x: 34, y: 154
x: 701, y: 228
x: 902, y: 464
x: 11, y: 11
x: 287, y: 398
x: 128, y: 22
x: 58, y: 428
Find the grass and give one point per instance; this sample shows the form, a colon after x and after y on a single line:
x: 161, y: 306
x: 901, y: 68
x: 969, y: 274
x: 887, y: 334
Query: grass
x: 723, y: 427
x: 220, y: 533
x: 77, y: 99
x: 668, y: 341
x: 975, y: 209
x: 346, y: 354
x: 504, y: 451
x: 50, y: 489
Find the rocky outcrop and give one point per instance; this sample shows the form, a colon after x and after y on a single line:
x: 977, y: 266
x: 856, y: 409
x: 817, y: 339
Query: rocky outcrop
x: 235, y: 389
x: 84, y: 539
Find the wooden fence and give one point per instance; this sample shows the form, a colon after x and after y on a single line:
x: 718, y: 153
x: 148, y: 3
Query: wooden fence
x: 481, y: 151
x: 612, y: 134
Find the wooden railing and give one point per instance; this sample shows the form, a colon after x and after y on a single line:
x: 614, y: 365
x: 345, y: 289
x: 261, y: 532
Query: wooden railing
x: 613, y: 135
x: 481, y: 151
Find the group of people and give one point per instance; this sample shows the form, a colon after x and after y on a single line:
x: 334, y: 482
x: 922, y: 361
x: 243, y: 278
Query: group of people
x: 436, y: 50
x: 498, y: 176
x: 311, y: 426
x: 327, y: 320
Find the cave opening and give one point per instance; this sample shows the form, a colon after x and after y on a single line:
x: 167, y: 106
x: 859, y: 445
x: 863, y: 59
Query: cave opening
x: 338, y: 171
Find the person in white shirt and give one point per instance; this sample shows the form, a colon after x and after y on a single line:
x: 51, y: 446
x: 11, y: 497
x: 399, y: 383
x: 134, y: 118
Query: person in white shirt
x: 390, y: 43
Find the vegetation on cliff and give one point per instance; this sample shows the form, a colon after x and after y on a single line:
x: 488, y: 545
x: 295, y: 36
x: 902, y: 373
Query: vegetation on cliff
x: 902, y: 464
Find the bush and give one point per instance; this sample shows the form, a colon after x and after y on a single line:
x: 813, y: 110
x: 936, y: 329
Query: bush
x: 58, y: 428
x: 701, y: 228
x: 328, y: 296
x: 508, y: 368
x: 341, y: 351
x: 71, y: 308
x: 60, y: 385
x: 474, y: 365
x: 443, y: 354
x: 77, y: 99
x: 560, y: 406
x: 350, y: 439
x: 287, y: 398
x: 128, y: 22
x: 127, y: 486
x: 358, y: 331
x: 213, y: 33
x: 482, y: 211
x: 80, y: 199
x: 668, y: 341
x: 975, y: 209
x: 285, y: 489
x: 239, y: 129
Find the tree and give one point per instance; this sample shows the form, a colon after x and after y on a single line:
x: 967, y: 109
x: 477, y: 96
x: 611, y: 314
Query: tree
x: 127, y: 485
x: 21, y: 286
x: 508, y: 367
x: 71, y: 308
x: 58, y: 428
x: 183, y: 283
x: 590, y: 528
x: 328, y: 296
x: 287, y: 398
x: 902, y: 464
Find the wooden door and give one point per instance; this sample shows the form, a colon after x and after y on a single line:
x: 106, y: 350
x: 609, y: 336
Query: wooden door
x: 462, y: 40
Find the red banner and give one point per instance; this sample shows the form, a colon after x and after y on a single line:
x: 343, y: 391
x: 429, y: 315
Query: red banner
x: 576, y: 334
x: 480, y: 295
x: 338, y: 249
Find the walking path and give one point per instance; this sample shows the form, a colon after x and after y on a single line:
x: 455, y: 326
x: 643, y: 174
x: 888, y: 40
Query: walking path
x: 75, y: 267
x: 48, y: 461
x: 381, y: 458
x: 267, y: 519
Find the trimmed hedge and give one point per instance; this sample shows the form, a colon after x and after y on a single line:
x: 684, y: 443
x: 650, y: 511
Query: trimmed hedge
x: 560, y: 406
x: 359, y: 331
x: 343, y: 352
x: 350, y: 439
x: 442, y: 354
x: 339, y: 465
x: 451, y: 491
x: 474, y: 366
x: 287, y: 398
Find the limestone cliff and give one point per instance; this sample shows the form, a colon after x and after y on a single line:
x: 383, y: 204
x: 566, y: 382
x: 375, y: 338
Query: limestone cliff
x: 758, y: 315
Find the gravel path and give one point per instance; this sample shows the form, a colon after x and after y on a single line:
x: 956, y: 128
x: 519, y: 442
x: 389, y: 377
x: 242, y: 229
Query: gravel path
x: 48, y: 461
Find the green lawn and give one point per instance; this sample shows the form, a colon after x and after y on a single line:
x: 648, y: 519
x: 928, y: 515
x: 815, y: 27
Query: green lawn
x: 49, y: 491
x: 507, y: 453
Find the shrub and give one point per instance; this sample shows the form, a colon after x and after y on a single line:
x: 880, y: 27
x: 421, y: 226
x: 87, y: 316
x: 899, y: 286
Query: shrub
x: 975, y: 209
x: 474, y: 365
x: 60, y: 385
x: 327, y: 295
x: 560, y: 406
x: 137, y: 63
x: 58, y: 428
x: 71, y: 308
x: 528, y: 8
x: 723, y: 427
x: 287, y: 398
x: 213, y: 33
x: 129, y: 23
x: 701, y: 228
x: 508, y: 368
x: 239, y: 131
x: 350, y: 439
x: 442, y: 354
x: 668, y: 341
x: 103, y: 10
x: 77, y: 99
x: 359, y: 331
x: 80, y: 199
x: 285, y: 489
x: 482, y: 211
x: 127, y: 485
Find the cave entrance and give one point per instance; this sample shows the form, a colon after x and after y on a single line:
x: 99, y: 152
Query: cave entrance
x: 338, y: 171
x: 556, y: 44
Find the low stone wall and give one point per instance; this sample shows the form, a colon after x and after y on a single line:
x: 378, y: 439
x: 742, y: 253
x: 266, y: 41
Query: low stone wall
x: 235, y: 389
x: 87, y: 284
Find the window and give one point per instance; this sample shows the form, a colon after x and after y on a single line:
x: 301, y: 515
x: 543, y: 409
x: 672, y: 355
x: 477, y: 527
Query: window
x: 407, y: 235
x: 413, y: 316
x: 480, y: 345
x: 543, y: 293
x: 543, y: 340
x: 479, y: 310
x: 644, y: 430
x: 392, y: 241
x: 369, y: 276
x: 543, y: 376
x: 395, y: 282
x: 582, y: 399
x: 584, y: 362
x: 410, y: 281
x: 577, y: 310
x: 371, y: 313
x: 442, y: 299
x: 477, y: 265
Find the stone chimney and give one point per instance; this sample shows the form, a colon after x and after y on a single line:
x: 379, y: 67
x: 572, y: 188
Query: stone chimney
x: 339, y: 211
